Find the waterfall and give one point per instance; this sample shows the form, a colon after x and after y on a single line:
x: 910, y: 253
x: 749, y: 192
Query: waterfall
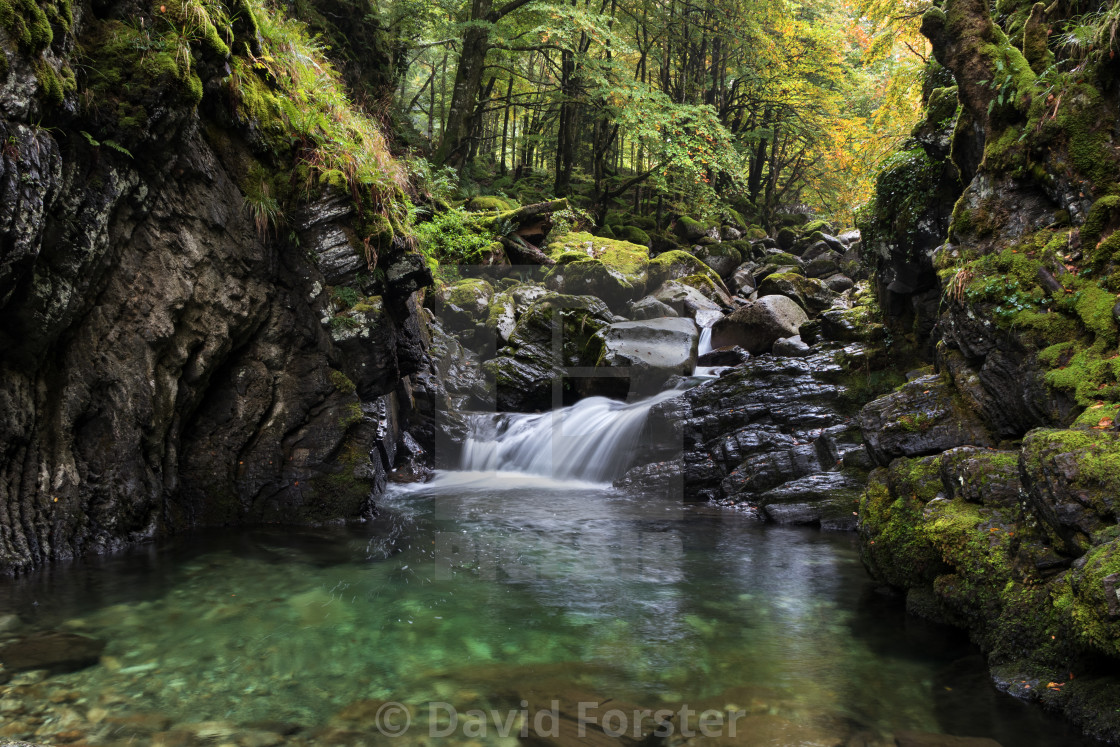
x: 593, y: 440
x: 705, y: 345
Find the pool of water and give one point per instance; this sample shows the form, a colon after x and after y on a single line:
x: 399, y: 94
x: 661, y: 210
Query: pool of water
x: 482, y: 592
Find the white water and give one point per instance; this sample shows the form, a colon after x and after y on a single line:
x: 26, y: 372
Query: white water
x: 591, y: 441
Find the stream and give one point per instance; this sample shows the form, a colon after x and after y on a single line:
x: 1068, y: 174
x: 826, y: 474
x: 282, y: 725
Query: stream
x: 491, y: 588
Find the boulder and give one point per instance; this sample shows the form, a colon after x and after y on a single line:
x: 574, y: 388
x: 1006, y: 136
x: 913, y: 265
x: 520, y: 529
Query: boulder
x: 693, y: 230
x: 827, y: 499
x: 654, y: 350
x: 723, y: 357
x: 464, y: 304
x: 685, y: 299
x: 502, y: 316
x: 786, y: 238
x: 540, y: 349
x: 615, y: 271
x: 742, y: 280
x: 858, y: 324
x: 792, y: 347
x: 650, y: 308
x: 721, y: 258
x: 809, y: 293
x: 674, y: 265
x: 839, y: 283
x: 824, y: 265
x: 758, y: 325
x: 924, y: 416
x: 51, y: 650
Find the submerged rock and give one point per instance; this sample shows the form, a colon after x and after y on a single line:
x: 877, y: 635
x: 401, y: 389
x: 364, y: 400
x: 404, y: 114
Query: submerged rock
x: 51, y: 650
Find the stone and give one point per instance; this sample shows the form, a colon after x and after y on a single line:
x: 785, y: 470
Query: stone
x: 653, y: 350
x: 824, y: 266
x: 614, y: 271
x: 857, y: 324
x: 723, y: 357
x: 742, y: 280
x: 685, y: 300
x: 826, y: 499
x: 650, y: 308
x: 924, y: 416
x: 810, y: 294
x: 674, y: 265
x: 758, y: 325
x: 792, y: 347
x: 839, y: 283
x: 51, y: 650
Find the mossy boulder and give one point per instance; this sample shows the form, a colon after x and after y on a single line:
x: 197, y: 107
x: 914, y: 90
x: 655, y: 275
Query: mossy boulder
x: 721, y: 258
x: 857, y: 324
x: 615, y: 271
x: 674, y: 265
x: 555, y: 332
x: 488, y: 204
x: 691, y: 230
x: 634, y: 235
x: 1073, y: 481
x: 810, y: 294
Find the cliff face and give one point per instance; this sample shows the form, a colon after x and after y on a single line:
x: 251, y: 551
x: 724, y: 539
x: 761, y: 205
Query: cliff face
x: 172, y: 354
x: 1019, y: 544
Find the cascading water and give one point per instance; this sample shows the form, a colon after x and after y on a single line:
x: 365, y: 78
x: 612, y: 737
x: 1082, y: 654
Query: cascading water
x: 592, y: 440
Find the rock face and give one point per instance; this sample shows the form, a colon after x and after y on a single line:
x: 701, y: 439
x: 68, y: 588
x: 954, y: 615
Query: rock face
x: 166, y: 362
x: 925, y: 416
x: 770, y: 433
x: 653, y: 351
x: 757, y: 326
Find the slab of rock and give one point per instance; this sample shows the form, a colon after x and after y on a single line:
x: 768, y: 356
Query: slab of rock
x: 809, y: 293
x: 654, y: 350
x: 650, y: 308
x: 685, y: 299
x: 52, y: 650
x: 792, y: 347
x: 924, y: 416
x: 723, y: 357
x: 758, y: 325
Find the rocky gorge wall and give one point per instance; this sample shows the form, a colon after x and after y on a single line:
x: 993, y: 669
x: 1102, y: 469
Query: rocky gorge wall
x: 168, y: 360
x: 994, y: 503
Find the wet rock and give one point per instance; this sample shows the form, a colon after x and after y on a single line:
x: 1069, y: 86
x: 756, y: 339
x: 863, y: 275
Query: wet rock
x: 827, y: 499
x: 614, y: 271
x: 652, y: 350
x: 792, y: 347
x: 757, y: 326
x: 650, y: 308
x: 51, y: 650
x: 925, y: 416
x: 723, y: 357
x: 664, y: 478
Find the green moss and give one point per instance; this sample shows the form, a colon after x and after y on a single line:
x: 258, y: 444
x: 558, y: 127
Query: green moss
x: 351, y: 415
x: 488, y: 203
x: 341, y: 382
x: 1102, y: 216
x: 1098, y: 415
x: 635, y: 235
x: 470, y: 295
x: 28, y: 24
x: 676, y: 264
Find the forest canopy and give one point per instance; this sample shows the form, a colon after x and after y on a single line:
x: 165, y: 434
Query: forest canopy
x: 694, y: 107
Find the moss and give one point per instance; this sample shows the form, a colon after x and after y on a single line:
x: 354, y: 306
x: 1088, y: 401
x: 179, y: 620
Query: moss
x: 351, y: 415
x: 488, y: 203
x: 341, y: 382
x: 676, y: 264
x: 1035, y: 38
x: 892, y: 547
x: 635, y: 235
x: 470, y: 295
x: 1104, y: 213
x: 1091, y: 604
x: 1099, y: 415
x: 816, y: 225
x: 756, y: 233
x: 941, y: 106
x: 29, y: 25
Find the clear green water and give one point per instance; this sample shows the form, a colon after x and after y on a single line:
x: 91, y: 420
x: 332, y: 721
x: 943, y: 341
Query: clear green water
x: 479, y: 593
